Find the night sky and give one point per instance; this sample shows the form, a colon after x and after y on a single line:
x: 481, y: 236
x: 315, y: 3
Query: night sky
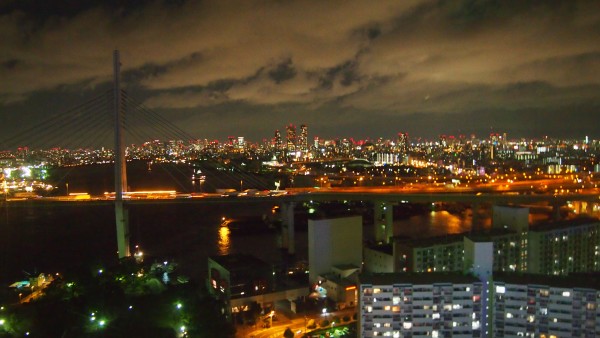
x: 345, y: 68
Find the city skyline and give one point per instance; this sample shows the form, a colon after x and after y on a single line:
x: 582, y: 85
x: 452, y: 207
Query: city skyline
x: 350, y: 69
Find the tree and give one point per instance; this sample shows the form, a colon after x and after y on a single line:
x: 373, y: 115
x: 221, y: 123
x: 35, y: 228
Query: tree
x: 288, y: 333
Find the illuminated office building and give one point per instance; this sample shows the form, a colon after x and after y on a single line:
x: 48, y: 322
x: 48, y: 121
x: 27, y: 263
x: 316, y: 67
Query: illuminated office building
x: 303, y: 139
x: 291, y: 139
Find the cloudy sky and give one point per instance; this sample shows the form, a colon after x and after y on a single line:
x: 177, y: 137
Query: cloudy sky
x: 345, y: 68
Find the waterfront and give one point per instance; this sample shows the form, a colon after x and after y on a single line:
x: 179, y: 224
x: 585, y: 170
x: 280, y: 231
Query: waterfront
x: 59, y: 237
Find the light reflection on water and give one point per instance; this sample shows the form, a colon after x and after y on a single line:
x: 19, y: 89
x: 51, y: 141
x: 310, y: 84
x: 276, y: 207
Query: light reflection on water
x: 224, y: 241
x: 435, y: 223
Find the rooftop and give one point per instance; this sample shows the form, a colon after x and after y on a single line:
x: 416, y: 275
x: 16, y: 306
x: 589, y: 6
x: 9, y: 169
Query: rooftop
x: 416, y: 278
x: 238, y: 260
x: 579, y: 221
x: 576, y: 280
x: 384, y: 248
x: 431, y: 241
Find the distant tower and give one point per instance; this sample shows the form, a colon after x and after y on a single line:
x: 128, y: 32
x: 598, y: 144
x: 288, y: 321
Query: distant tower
x: 403, y: 142
x: 443, y: 141
x: 303, y: 141
x: 291, y: 138
x: 278, y: 143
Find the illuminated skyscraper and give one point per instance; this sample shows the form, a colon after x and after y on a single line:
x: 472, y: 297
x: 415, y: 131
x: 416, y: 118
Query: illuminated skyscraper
x: 278, y: 143
x: 403, y: 142
x: 303, y: 140
x: 443, y: 141
x: 291, y: 138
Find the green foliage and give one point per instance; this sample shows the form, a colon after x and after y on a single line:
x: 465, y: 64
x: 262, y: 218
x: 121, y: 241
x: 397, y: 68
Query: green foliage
x: 288, y: 333
x: 130, y: 306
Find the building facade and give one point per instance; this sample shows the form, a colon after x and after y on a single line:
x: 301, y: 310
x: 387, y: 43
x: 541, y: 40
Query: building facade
x: 564, y: 247
x: 527, y: 306
x: 334, y: 241
x: 420, y: 305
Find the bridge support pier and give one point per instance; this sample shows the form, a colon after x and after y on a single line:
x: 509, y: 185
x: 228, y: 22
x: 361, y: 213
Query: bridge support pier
x: 556, y: 212
x: 288, y: 240
x: 122, y: 220
x: 589, y: 208
x: 384, y: 221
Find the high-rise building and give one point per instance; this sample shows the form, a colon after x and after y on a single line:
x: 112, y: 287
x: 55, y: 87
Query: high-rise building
x: 303, y: 140
x: 277, y: 140
x: 291, y: 138
x: 420, y: 305
x: 556, y: 248
x: 560, y: 248
x: 461, y: 305
x: 403, y: 145
x: 443, y: 141
x: 527, y: 306
x: 241, y: 143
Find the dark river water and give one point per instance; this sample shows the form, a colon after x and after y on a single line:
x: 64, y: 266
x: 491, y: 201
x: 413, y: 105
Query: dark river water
x: 49, y: 237
x: 38, y: 238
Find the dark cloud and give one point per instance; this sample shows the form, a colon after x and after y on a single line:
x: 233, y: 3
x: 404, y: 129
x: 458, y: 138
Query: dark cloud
x: 283, y: 71
x: 352, y: 65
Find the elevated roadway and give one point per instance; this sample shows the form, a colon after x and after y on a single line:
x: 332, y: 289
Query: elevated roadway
x: 336, y: 194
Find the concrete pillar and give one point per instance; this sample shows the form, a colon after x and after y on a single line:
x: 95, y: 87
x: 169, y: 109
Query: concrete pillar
x: 384, y: 221
x: 288, y: 240
x: 589, y: 208
x: 122, y: 220
x: 556, y: 212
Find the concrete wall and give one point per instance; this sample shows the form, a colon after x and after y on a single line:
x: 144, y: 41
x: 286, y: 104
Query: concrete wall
x: 333, y: 241
x: 479, y: 258
x: 378, y: 261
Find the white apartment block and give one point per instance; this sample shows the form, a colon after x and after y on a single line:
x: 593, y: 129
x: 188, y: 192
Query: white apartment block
x: 528, y: 307
x: 420, y: 305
